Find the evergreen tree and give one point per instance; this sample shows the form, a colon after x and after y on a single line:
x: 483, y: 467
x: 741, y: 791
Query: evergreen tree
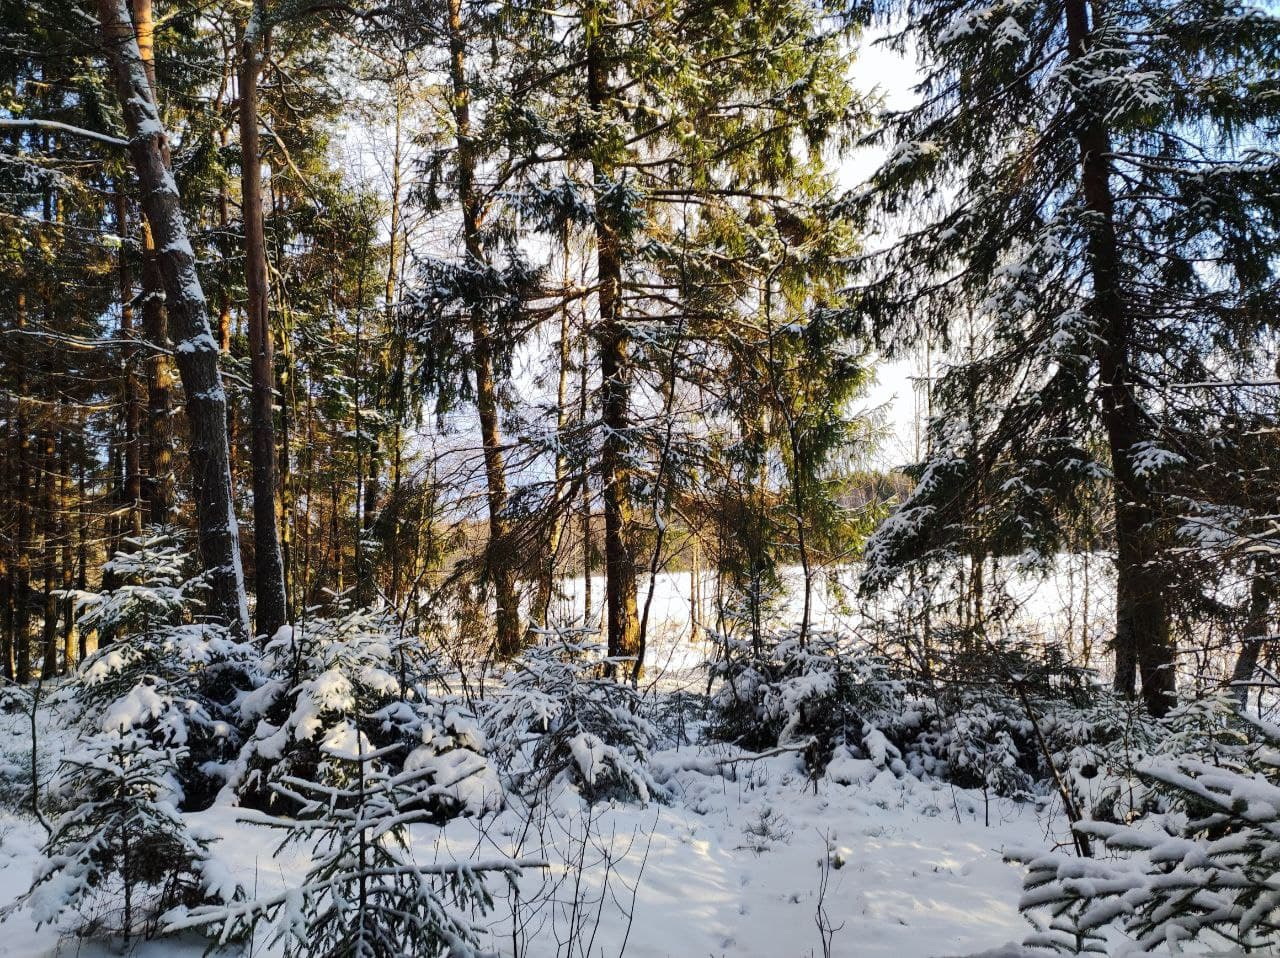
x: 1097, y: 185
x: 699, y: 156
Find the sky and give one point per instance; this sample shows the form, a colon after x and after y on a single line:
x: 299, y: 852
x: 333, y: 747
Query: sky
x: 881, y: 70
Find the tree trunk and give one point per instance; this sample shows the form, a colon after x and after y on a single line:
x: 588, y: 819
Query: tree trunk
x: 155, y: 324
x: 67, y: 570
x: 583, y: 407
x: 1142, y: 618
x: 22, y: 502
x: 396, y: 402
x: 559, y: 509
x: 49, y: 520
x: 1255, y: 636
x: 224, y: 297
x: 499, y: 558
x: 614, y: 348
x: 82, y: 552
x: 272, y: 609
x: 132, y: 392
x: 196, y: 350
x: 162, y: 491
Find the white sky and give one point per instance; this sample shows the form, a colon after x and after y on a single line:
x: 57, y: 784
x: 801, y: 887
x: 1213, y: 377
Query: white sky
x: 882, y: 71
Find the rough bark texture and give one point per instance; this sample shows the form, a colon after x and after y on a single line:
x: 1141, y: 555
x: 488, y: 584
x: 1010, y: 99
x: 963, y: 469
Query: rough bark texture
x: 614, y: 347
x: 499, y: 556
x: 22, y: 562
x: 1256, y: 631
x: 272, y: 609
x: 1142, y: 618
x: 161, y: 492
x: 195, y: 350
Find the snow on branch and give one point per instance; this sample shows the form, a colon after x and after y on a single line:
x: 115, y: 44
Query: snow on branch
x: 32, y: 124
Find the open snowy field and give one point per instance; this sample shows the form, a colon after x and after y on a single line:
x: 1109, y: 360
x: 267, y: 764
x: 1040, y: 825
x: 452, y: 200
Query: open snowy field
x: 1073, y: 606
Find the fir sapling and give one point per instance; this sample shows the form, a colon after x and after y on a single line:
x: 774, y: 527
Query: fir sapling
x: 1201, y: 869
x: 561, y: 716
x: 121, y: 856
x: 365, y: 894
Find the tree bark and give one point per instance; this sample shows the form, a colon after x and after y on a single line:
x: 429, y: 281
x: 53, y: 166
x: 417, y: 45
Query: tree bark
x: 583, y: 407
x: 614, y: 348
x: 1255, y: 636
x: 389, y: 299
x: 499, y: 557
x: 82, y: 551
x: 161, y: 493
x: 196, y: 351
x: 49, y: 557
x: 6, y: 614
x: 68, y: 567
x: 560, y: 509
x: 272, y: 608
x: 22, y: 501
x: 1142, y: 619
x: 132, y: 392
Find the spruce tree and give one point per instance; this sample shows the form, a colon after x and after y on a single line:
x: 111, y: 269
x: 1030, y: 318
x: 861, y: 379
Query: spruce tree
x: 1096, y: 183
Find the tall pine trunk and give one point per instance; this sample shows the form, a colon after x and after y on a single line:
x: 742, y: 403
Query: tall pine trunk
x: 155, y: 324
x: 23, y: 504
x: 49, y: 552
x: 196, y: 351
x: 499, y: 557
x: 132, y: 391
x: 614, y: 348
x: 67, y: 570
x: 272, y: 609
x: 162, y: 491
x: 1142, y: 619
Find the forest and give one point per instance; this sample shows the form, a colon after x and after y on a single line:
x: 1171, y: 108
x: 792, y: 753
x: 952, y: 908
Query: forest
x: 775, y: 478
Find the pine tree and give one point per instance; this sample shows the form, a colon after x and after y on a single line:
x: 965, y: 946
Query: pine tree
x: 703, y: 131
x: 271, y: 610
x: 196, y: 349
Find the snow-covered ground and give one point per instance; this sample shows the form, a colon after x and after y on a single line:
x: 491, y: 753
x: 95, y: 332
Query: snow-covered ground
x: 1073, y: 606
x: 729, y: 867
x: 758, y: 861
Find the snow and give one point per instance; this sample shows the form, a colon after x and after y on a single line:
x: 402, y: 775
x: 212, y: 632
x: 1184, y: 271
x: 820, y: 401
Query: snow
x: 915, y: 881
x: 726, y: 860
x: 461, y: 775
x: 141, y: 703
x: 730, y: 867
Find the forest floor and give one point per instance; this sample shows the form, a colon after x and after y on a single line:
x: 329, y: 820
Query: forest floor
x: 744, y: 858
x: 729, y: 866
